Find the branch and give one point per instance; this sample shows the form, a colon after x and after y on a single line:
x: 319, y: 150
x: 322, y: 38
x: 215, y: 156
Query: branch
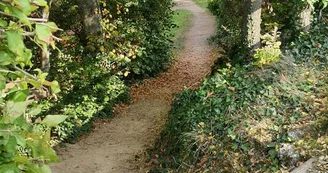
x: 30, y: 19
x: 38, y: 19
x: 46, y: 83
x: 51, y: 26
x: 56, y: 38
x: 6, y: 71
x: 8, y: 131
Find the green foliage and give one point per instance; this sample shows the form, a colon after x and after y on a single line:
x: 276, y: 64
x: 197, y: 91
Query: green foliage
x: 24, y: 138
x: 241, y: 117
x: 270, y: 52
x: 93, y: 72
x: 312, y: 47
x: 229, y: 23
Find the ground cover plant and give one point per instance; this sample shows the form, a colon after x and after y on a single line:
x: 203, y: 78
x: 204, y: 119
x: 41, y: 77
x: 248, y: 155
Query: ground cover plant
x: 265, y: 114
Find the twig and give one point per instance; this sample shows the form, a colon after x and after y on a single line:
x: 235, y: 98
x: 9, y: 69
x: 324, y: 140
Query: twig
x: 8, y: 131
x: 46, y: 83
x: 51, y: 26
x: 6, y: 71
x: 30, y: 19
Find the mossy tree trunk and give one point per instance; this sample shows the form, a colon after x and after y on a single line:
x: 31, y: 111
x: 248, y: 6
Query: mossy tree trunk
x: 91, y: 16
x: 251, y: 31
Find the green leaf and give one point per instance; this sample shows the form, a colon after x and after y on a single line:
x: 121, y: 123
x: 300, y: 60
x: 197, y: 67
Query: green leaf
x: 20, y: 139
x: 19, y: 14
x: 33, y: 168
x: 43, y: 33
x: 5, y: 58
x: 17, y: 46
x: 45, y: 169
x: 41, y: 2
x: 53, y: 120
x: 18, y: 96
x: 2, y: 82
x: 3, y: 23
x: 13, y: 110
x: 24, y: 5
x: 52, y: 26
x: 41, y: 148
x: 11, y: 145
x: 9, y: 168
x: 35, y: 110
x: 55, y: 87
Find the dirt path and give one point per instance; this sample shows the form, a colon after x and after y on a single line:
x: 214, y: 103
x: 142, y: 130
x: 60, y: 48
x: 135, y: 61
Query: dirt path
x: 112, y: 146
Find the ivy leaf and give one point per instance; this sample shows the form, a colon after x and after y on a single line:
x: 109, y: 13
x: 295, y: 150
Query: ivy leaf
x: 53, y: 120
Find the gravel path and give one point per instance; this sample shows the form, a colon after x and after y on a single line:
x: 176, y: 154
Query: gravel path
x: 112, y: 146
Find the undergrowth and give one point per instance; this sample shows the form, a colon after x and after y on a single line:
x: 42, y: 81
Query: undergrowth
x: 267, y: 117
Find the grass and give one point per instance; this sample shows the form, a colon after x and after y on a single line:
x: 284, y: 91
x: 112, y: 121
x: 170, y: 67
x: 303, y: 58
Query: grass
x: 202, y: 3
x: 182, y: 19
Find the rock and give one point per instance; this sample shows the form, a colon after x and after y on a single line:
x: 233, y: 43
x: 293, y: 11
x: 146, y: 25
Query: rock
x: 295, y: 134
x: 288, y: 155
x: 304, y: 167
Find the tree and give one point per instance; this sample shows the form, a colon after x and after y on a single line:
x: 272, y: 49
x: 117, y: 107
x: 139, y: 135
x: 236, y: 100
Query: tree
x: 91, y: 17
x: 25, y: 139
x: 305, y: 17
x: 251, y: 31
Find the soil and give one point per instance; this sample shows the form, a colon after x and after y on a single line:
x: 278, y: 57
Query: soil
x: 112, y: 146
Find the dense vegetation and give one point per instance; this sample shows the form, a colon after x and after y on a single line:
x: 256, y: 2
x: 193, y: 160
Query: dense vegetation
x: 93, y: 69
x: 93, y: 73
x: 263, y: 111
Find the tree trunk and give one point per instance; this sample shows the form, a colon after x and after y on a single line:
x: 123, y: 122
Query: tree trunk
x: 45, y: 57
x: 91, y: 17
x: 305, y: 18
x: 251, y: 31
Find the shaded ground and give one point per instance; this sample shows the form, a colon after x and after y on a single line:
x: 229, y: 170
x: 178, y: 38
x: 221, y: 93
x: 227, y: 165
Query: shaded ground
x: 112, y: 146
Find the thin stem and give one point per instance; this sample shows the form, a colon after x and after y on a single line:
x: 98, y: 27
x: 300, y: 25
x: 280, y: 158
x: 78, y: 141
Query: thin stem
x: 46, y: 83
x: 51, y: 26
x: 6, y: 71
x: 30, y: 19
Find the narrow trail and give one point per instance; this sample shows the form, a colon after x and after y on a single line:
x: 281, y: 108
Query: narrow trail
x: 112, y: 146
